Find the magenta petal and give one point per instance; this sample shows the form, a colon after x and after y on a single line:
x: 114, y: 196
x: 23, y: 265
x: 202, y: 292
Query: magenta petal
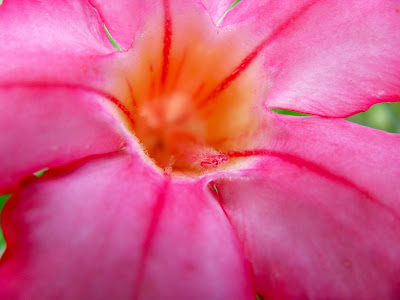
x: 45, y: 127
x: 112, y: 228
x: 50, y: 26
x: 329, y: 58
x: 216, y: 8
x: 360, y: 154
x: 123, y: 18
x: 263, y: 14
x: 319, y: 215
x: 56, y: 42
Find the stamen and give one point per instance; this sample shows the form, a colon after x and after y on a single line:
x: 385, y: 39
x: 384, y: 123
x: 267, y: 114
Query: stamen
x: 214, y: 161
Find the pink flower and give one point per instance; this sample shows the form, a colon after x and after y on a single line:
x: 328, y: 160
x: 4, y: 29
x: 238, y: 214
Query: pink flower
x: 170, y: 178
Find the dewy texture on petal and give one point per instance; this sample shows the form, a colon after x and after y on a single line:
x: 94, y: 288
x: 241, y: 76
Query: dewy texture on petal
x: 113, y: 228
x: 318, y: 214
x: 329, y: 58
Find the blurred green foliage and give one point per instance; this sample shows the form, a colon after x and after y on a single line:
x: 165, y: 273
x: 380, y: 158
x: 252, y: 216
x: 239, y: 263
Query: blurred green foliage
x: 3, y: 200
x: 288, y: 112
x: 383, y: 116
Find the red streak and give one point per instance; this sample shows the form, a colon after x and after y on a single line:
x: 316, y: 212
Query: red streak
x: 134, y: 103
x: 250, y: 58
x: 315, y: 168
x: 167, y: 40
x: 151, y: 232
x: 72, y: 86
x: 11, y: 229
x: 180, y: 68
x: 199, y: 90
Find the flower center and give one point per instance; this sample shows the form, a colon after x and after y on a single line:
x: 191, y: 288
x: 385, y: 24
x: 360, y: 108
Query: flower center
x: 193, y: 99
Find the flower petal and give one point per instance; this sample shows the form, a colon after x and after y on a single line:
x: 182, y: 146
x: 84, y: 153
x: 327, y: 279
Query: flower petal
x: 40, y: 46
x: 112, y: 228
x: 49, y: 27
x: 217, y: 8
x: 123, y: 17
x: 319, y: 215
x: 45, y: 127
x: 329, y: 58
x: 359, y: 153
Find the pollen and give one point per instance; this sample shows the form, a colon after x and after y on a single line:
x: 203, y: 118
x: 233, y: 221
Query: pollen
x: 189, y: 104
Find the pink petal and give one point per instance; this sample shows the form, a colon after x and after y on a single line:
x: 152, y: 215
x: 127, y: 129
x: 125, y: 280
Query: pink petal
x: 319, y: 215
x: 55, y: 52
x: 44, y: 127
x: 111, y: 228
x: 359, y: 153
x: 330, y: 58
x: 216, y: 8
x: 51, y: 26
x: 57, y: 43
x: 123, y: 17
x: 265, y: 15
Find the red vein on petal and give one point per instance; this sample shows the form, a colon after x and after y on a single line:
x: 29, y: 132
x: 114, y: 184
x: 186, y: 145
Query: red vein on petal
x: 10, y: 231
x: 155, y: 221
x: 215, y: 192
x: 256, y: 51
x: 167, y: 40
x: 178, y: 72
x: 315, y: 168
x: 43, y: 85
x: 56, y: 171
x: 133, y: 99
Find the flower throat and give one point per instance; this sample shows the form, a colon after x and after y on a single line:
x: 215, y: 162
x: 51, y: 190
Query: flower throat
x: 192, y: 95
